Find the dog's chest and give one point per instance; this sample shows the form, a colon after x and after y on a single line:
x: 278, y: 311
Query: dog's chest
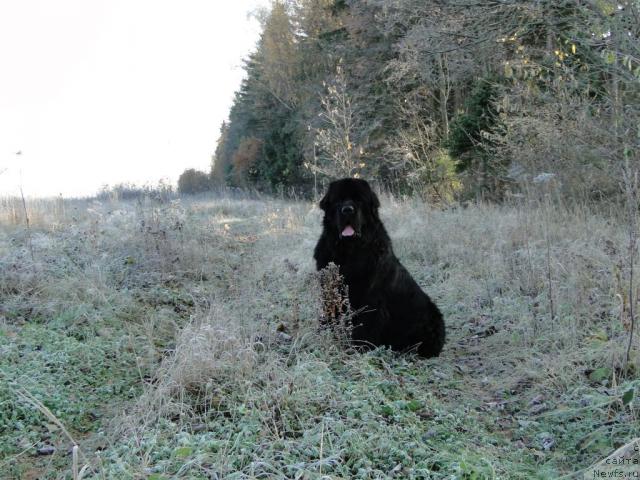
x: 354, y: 264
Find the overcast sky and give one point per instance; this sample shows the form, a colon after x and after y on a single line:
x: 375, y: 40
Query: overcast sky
x: 96, y: 92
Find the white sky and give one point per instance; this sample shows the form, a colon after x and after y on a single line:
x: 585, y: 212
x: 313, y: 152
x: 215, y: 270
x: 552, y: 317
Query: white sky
x: 98, y: 92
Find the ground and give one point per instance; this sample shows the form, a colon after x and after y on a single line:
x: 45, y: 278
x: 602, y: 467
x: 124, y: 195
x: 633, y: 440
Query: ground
x: 179, y: 340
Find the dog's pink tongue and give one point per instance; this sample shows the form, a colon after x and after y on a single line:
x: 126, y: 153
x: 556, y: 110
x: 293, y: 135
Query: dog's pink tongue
x: 348, y: 231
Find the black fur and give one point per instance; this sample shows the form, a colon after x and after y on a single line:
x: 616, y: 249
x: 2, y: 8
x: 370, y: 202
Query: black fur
x: 395, y: 310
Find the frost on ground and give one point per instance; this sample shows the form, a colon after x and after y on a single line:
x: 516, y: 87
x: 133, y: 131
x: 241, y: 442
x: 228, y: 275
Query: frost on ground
x: 180, y: 340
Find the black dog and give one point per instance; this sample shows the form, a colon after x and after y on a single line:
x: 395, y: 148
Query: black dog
x: 393, y: 309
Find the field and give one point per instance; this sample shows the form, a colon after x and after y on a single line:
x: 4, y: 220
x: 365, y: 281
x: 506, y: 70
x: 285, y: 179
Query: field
x: 180, y: 339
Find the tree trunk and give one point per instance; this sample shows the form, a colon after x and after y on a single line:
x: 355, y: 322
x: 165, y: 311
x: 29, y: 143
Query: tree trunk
x: 443, y: 93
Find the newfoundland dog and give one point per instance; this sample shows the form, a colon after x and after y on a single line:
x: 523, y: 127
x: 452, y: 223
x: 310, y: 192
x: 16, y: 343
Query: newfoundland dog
x: 391, y: 309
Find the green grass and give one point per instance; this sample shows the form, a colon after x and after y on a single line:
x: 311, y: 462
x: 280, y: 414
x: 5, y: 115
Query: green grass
x: 180, y: 341
x: 75, y: 375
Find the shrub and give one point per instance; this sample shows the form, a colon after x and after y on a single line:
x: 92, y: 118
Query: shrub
x: 130, y: 191
x: 193, y: 181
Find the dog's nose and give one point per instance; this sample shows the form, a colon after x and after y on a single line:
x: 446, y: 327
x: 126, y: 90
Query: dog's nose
x: 347, y: 210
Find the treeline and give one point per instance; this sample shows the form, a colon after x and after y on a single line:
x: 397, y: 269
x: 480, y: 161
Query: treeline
x: 455, y: 99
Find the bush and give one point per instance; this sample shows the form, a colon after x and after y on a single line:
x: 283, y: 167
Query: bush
x: 130, y: 191
x: 193, y: 181
x: 436, y: 180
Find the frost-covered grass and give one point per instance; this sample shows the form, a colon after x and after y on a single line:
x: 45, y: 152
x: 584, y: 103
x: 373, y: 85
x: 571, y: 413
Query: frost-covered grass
x: 180, y: 340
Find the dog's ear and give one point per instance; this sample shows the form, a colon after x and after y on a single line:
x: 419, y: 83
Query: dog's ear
x: 374, y: 202
x: 370, y: 196
x: 325, y: 202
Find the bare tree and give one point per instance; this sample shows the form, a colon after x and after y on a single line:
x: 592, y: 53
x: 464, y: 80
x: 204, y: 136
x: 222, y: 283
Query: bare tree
x: 336, y: 155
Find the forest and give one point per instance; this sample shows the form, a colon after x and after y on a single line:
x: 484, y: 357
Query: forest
x: 146, y: 334
x: 450, y: 100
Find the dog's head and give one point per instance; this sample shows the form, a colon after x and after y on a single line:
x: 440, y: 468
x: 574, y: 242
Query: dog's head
x: 350, y: 207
